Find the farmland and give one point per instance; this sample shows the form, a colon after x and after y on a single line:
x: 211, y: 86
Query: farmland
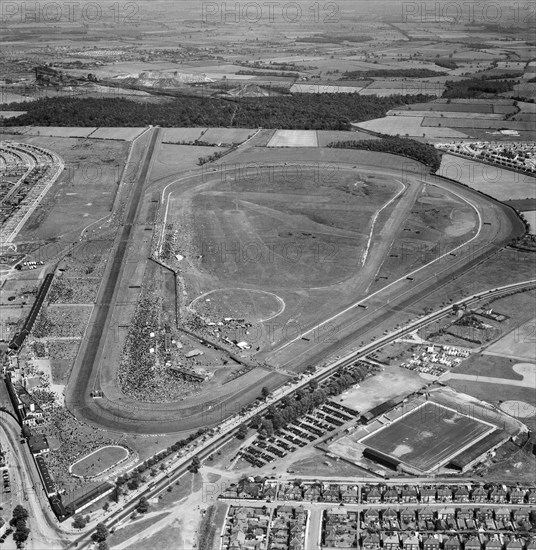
x: 492, y: 180
x: 293, y: 138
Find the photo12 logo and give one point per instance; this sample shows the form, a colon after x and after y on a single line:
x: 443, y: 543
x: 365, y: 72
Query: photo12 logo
x: 270, y: 12
x: 122, y: 13
x: 473, y: 11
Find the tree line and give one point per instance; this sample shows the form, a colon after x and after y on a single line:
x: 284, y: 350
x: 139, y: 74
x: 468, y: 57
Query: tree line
x: 422, y: 152
x: 305, y: 400
x: 301, y: 112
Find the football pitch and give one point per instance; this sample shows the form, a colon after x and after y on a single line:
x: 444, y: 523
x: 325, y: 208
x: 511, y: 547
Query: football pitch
x: 428, y: 437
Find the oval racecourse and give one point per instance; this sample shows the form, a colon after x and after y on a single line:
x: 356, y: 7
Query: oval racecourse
x: 252, y: 304
x: 100, y: 461
x: 343, y: 285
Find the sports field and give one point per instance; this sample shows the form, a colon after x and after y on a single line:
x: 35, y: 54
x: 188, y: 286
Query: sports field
x: 428, y: 436
x: 99, y: 461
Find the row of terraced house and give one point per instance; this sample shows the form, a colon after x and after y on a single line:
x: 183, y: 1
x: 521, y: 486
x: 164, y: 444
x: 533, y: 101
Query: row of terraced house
x: 260, y: 488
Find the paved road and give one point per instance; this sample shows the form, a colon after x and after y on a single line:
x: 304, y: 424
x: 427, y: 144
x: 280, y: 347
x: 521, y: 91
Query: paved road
x: 27, y: 488
x: 77, y: 392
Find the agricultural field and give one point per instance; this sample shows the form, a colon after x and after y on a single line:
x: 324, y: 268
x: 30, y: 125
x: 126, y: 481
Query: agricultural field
x: 470, y: 123
x: 325, y: 137
x: 409, y: 126
x: 426, y: 437
x: 180, y: 135
x: 492, y: 180
x: 121, y: 134
x: 226, y: 136
x: 99, y: 461
x: 455, y: 106
x: 53, y: 131
x: 324, y: 89
x: 170, y: 158
x: 428, y: 115
x: 293, y: 138
x: 386, y: 89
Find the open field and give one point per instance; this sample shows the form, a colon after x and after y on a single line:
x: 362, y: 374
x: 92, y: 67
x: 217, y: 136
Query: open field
x: 426, y: 437
x: 531, y: 219
x: 478, y: 122
x: 53, y: 131
x: 410, y: 126
x: 444, y: 114
x: 455, y: 106
x: 492, y: 180
x: 171, y: 159
x: 122, y: 134
x: 99, y: 461
x: 226, y: 136
x: 494, y: 367
x: 293, y: 138
x: 324, y: 89
x: 178, y: 135
x: 320, y: 465
x: 253, y: 305
x: 391, y: 382
x: 439, y: 221
x: 316, y: 236
x: 518, y: 344
x: 496, y: 394
x: 325, y: 137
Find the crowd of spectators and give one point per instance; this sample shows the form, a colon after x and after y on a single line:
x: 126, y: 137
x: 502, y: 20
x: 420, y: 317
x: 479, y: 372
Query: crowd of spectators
x: 144, y: 372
